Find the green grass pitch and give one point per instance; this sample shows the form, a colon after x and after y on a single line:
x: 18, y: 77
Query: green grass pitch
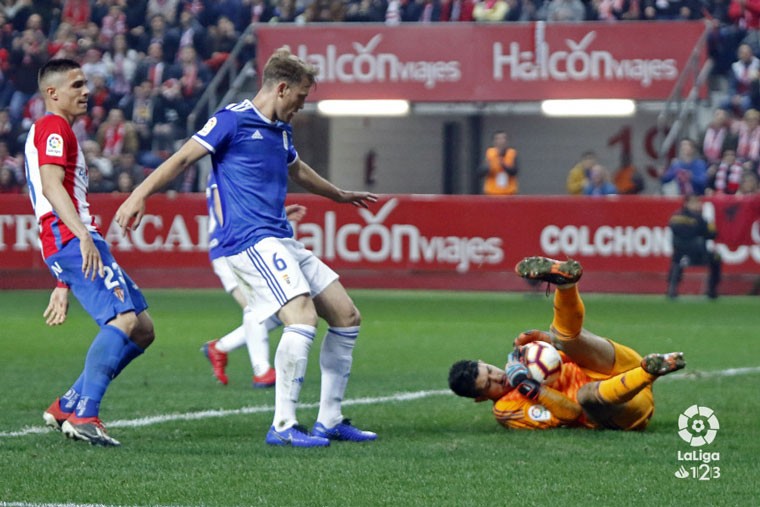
x: 433, y: 448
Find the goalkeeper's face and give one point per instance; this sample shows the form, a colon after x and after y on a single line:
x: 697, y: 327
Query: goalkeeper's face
x: 491, y: 382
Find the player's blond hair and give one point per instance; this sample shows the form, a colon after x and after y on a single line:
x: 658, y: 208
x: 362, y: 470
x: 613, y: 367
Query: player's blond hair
x: 285, y: 66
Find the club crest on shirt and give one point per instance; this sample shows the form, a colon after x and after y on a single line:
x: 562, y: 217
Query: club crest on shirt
x: 119, y: 293
x: 210, y: 124
x: 54, y: 146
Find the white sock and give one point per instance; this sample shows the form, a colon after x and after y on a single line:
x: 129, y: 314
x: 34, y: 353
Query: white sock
x: 232, y: 340
x: 335, y: 360
x: 290, y: 363
x: 257, y: 340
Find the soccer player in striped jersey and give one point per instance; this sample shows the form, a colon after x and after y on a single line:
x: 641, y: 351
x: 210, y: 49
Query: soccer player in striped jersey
x: 603, y: 384
x: 78, y: 256
x: 252, y: 333
x: 252, y: 155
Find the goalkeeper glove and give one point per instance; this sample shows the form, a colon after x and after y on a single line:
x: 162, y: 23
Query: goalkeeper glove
x: 516, y: 373
x: 529, y: 388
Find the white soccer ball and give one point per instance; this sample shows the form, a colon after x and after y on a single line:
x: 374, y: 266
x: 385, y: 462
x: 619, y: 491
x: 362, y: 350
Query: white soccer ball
x: 543, y: 362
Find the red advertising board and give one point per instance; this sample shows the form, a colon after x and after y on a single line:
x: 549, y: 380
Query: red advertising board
x: 466, y: 62
x: 443, y: 241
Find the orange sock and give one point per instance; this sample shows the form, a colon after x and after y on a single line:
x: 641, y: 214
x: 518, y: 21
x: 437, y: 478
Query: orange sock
x: 625, y: 386
x: 568, y: 313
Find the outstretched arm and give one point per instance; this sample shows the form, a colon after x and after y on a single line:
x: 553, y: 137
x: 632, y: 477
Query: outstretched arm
x: 133, y: 209
x: 305, y: 176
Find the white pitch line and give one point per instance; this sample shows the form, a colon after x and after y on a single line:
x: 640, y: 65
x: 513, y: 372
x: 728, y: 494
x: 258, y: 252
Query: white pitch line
x: 205, y: 414
x: 30, y: 504
x: 398, y: 397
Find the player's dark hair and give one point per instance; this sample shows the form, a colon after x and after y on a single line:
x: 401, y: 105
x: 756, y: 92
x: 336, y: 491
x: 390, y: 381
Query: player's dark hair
x: 285, y: 66
x: 462, y: 377
x: 56, y: 66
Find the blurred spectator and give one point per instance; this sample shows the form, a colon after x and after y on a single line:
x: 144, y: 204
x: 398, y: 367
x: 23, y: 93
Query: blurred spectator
x: 614, y: 10
x: 76, y: 13
x: 717, y: 136
x: 628, y: 180
x: 27, y: 56
x: 257, y: 11
x: 565, y: 11
x: 94, y: 158
x: 93, y: 63
x: 490, y: 10
x: 457, y: 10
x: 127, y: 162
x: 143, y: 108
x: 725, y: 176
x: 192, y: 33
x: 748, y: 138
x: 749, y: 185
x: 193, y: 77
x: 671, y: 9
x: 8, y: 182
x: 124, y: 182
x: 599, y: 182
x: 114, y: 23
x: 99, y: 184
x: 746, y: 15
x: 157, y: 33
x: 742, y: 81
x: 33, y: 111
x: 366, y: 11
x: 152, y: 68
x: 121, y: 62
x: 165, y: 8
x: 579, y: 174
x: 221, y: 40
x: 100, y: 94
x: 116, y: 136
x: 9, y: 134
x: 286, y: 11
x: 687, y: 173
x: 13, y: 162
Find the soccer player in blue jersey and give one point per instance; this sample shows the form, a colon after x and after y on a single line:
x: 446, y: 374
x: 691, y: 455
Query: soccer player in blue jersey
x: 78, y: 256
x: 252, y: 154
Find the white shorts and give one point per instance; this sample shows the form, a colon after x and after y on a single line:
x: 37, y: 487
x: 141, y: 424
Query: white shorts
x: 274, y: 271
x: 223, y: 270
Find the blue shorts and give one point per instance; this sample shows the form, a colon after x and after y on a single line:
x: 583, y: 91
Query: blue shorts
x: 103, y: 298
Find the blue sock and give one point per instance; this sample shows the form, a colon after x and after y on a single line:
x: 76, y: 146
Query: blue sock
x: 130, y: 351
x: 69, y: 400
x: 101, y: 363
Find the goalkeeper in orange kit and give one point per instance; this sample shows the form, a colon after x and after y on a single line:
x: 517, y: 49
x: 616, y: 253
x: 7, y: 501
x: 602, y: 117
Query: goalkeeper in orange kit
x: 602, y: 384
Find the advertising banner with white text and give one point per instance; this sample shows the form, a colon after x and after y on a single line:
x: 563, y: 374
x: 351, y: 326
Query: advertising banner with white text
x: 470, y: 237
x: 504, y: 62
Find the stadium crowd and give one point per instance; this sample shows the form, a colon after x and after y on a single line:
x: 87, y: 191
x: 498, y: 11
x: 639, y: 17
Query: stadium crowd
x: 148, y: 62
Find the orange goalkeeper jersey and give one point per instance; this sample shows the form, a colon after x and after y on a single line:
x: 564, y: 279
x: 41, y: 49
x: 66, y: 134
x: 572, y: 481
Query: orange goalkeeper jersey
x: 514, y: 410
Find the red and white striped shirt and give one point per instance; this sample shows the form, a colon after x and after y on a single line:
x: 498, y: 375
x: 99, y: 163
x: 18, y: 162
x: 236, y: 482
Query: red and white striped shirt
x: 51, y: 141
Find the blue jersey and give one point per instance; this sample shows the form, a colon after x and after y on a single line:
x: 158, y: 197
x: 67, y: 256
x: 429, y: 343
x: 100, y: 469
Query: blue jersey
x: 250, y: 155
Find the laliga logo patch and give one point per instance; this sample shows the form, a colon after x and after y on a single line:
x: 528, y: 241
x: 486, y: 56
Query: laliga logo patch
x: 539, y: 413
x: 54, y: 146
x: 284, y: 139
x: 210, y: 124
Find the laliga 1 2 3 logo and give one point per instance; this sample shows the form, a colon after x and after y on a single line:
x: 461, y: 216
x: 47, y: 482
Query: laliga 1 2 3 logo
x: 698, y: 426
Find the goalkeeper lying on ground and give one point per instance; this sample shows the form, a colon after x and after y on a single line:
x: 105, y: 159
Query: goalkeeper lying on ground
x: 602, y: 384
